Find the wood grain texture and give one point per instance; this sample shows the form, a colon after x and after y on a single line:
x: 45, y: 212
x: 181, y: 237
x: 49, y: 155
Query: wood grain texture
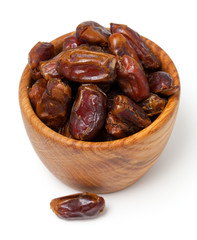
x: 101, y: 167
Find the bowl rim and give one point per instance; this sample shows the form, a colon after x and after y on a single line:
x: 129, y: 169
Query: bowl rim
x: 38, y: 125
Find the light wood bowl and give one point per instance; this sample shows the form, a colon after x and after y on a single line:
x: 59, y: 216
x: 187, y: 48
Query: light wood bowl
x: 101, y: 167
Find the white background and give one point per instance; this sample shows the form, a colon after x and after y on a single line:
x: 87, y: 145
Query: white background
x: 162, y: 204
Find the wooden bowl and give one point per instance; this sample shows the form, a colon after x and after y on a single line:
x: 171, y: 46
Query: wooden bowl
x: 101, y: 167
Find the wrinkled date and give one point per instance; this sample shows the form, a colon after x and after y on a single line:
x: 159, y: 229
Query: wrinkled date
x: 132, y: 79
x: 148, y: 58
x: 88, y: 112
x: 153, y: 105
x: 117, y: 127
x: 126, y: 116
x: 48, y: 68
x: 78, y: 206
x: 125, y: 108
x: 87, y: 66
x: 118, y: 45
x: 162, y: 83
x: 92, y: 33
x: 55, y: 103
x: 36, y: 91
x: 40, y: 52
x: 71, y: 42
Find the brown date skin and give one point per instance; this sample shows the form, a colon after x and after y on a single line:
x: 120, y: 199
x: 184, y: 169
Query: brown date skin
x: 40, y: 52
x: 35, y: 73
x: 117, y: 127
x: 153, y: 105
x: 92, y: 33
x: 88, y: 112
x: 143, y: 52
x: 36, y: 91
x: 78, y: 206
x: 161, y: 83
x: 119, y: 45
x: 48, y: 68
x: 128, y: 111
x: 54, y: 106
x: 132, y: 79
x: 71, y: 42
x: 85, y: 66
x: 94, y: 48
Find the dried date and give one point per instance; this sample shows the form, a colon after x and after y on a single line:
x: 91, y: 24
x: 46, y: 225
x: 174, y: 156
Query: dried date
x: 48, y: 68
x: 132, y: 79
x: 71, y: 42
x: 148, y: 58
x: 36, y: 91
x: 84, y: 66
x: 117, y: 127
x: 55, y: 104
x: 161, y: 83
x: 127, y: 110
x: 119, y: 45
x: 153, y: 105
x: 92, y: 33
x: 78, y: 206
x: 40, y: 52
x: 88, y: 112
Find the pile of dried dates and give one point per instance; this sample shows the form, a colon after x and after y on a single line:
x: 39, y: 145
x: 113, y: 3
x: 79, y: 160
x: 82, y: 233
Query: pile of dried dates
x: 103, y: 85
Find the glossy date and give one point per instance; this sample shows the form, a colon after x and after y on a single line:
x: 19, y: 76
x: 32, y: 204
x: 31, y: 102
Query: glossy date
x: 36, y: 91
x: 55, y: 104
x: 92, y: 33
x: 119, y: 45
x: 48, y: 68
x: 88, y: 112
x: 118, y: 128
x: 132, y: 79
x: 71, y: 42
x: 40, y: 52
x: 85, y: 66
x: 78, y: 206
x: 161, y: 83
x: 153, y: 105
x: 148, y: 58
x: 126, y: 117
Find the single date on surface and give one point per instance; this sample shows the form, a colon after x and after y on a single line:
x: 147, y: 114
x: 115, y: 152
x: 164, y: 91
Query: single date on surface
x: 78, y: 206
